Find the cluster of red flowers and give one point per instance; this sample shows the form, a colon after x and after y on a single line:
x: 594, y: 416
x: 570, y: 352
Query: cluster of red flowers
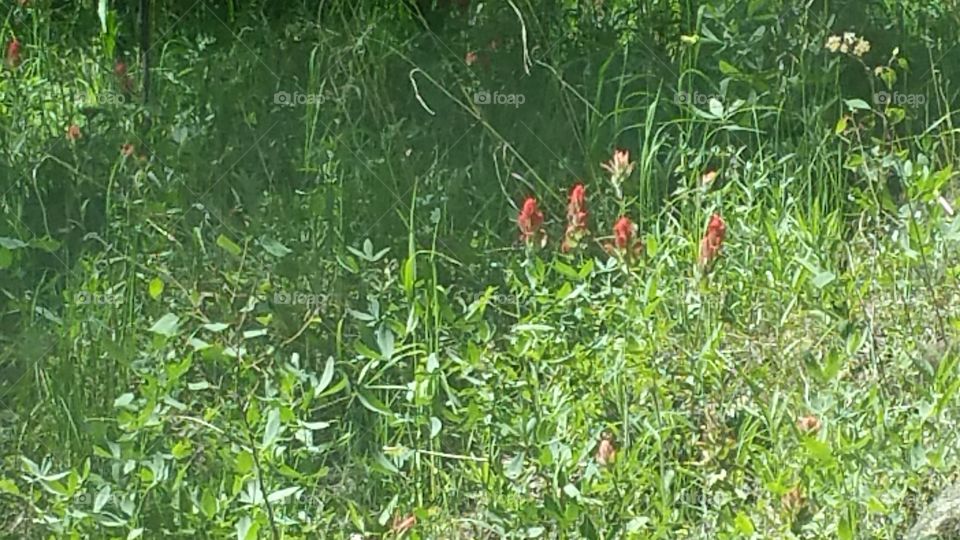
x: 712, y: 240
x: 625, y: 241
x: 530, y: 221
x: 13, y: 53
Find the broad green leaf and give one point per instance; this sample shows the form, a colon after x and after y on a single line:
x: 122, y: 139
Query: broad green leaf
x: 275, y: 248
x: 8, y: 486
x: 244, y: 462
x: 123, y: 400
x: 818, y: 450
x: 728, y: 69
x: 823, y: 278
x: 103, y: 496
x: 168, y: 325
x: 11, y: 243
x: 229, y: 245
x: 282, y: 494
x: 857, y: 104
x: 743, y: 524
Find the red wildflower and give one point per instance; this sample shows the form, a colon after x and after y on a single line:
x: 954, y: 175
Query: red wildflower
x: 123, y: 76
x: 576, y: 218
x: 13, y: 53
x: 530, y: 220
x: 470, y: 58
x: 73, y: 132
x: 126, y: 150
x: 712, y: 240
x: 623, y: 238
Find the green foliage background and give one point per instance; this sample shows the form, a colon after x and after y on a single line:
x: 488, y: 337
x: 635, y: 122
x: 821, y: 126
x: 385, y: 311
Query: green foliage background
x: 314, y: 319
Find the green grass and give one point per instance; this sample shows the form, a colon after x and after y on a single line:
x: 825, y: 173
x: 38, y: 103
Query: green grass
x: 316, y: 321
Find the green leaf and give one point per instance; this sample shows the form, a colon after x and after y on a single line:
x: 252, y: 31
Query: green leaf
x: 275, y: 248
x: 123, y: 400
x: 895, y: 114
x: 818, y: 450
x: 566, y: 270
x: 46, y: 243
x: 272, y: 430
x: 246, y: 528
x: 385, y: 341
x: 743, y: 524
x: 823, y: 278
x: 229, y: 245
x: 103, y: 496
x: 156, y: 288
x: 168, y: 325
x: 372, y: 403
x: 244, y: 462
x: 11, y: 243
x: 716, y: 108
x: 841, y: 125
x: 728, y: 69
x: 409, y: 274
x: 325, y: 378
x: 845, y: 529
x: 532, y: 328
x: 216, y: 327
x: 102, y: 14
x: 282, y: 494
x: 7, y: 486
x: 857, y: 104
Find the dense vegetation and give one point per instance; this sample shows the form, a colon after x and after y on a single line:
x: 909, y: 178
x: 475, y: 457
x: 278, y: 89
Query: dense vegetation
x: 477, y: 269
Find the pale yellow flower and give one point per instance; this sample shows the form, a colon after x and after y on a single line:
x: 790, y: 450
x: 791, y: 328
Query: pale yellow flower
x: 833, y: 43
x: 862, y: 47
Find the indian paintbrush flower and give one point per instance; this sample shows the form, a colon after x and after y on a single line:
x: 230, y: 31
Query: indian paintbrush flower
x: 576, y: 218
x: 13, y: 53
x: 712, y: 241
x: 530, y: 221
x: 619, y: 168
x: 624, y: 242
